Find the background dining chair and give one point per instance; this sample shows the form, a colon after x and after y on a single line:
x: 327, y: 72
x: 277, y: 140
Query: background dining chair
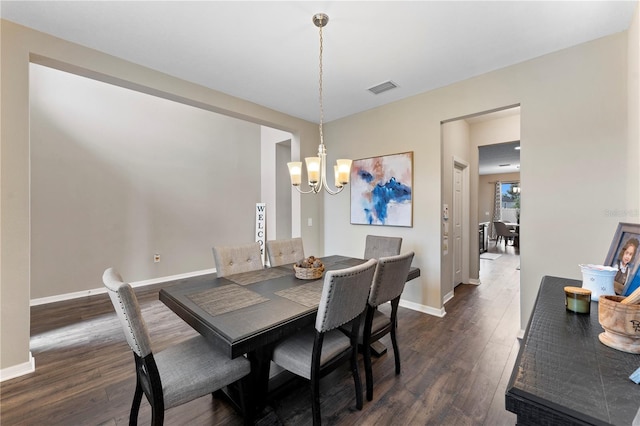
x: 283, y: 252
x: 388, y: 284
x: 503, y: 232
x: 235, y: 259
x: 178, y: 374
x: 313, y: 353
x: 377, y: 246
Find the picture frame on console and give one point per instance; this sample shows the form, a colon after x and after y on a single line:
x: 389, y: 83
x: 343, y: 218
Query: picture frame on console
x: 623, y: 254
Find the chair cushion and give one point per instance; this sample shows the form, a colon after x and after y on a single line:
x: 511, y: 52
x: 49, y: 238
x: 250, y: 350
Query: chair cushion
x: 193, y: 368
x: 294, y: 353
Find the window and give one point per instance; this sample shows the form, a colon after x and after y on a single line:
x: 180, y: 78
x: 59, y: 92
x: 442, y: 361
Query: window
x: 510, y: 197
x: 510, y: 202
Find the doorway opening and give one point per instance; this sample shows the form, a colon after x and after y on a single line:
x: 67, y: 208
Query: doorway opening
x: 463, y: 140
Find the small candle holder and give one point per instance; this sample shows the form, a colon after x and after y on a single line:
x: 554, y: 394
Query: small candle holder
x: 578, y: 300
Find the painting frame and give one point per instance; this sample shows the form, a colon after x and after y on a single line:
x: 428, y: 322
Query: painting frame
x: 623, y: 237
x: 382, y: 190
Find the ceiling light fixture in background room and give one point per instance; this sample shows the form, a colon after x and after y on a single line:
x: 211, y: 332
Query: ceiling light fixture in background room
x: 316, y: 166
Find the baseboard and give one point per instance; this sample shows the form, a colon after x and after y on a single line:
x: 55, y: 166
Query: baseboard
x: 447, y: 297
x: 423, y: 308
x: 474, y: 281
x: 18, y: 370
x: 520, y: 335
x: 101, y: 290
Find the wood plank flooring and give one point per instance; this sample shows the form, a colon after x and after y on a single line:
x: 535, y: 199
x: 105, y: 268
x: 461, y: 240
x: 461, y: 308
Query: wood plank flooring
x: 454, y: 369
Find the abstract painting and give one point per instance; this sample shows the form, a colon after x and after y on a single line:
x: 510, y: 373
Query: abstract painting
x: 381, y: 190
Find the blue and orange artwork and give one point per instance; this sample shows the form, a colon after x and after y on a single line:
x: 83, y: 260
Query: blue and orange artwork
x: 381, y: 190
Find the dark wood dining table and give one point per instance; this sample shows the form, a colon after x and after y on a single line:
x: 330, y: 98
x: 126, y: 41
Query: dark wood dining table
x: 248, y: 313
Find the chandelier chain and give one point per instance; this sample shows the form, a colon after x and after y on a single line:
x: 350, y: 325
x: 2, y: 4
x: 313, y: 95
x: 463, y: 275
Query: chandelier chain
x: 320, y: 89
x: 317, y: 166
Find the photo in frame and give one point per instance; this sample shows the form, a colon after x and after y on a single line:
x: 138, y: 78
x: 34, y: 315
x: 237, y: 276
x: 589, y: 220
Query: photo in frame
x: 623, y: 254
x: 382, y: 190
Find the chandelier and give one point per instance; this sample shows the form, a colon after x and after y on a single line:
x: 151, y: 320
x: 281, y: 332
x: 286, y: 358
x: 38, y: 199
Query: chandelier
x: 316, y: 166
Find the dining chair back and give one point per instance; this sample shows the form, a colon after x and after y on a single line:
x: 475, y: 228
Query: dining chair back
x: 236, y: 259
x: 503, y: 232
x: 316, y: 351
x: 377, y: 246
x: 283, y: 252
x: 176, y: 375
x: 388, y: 284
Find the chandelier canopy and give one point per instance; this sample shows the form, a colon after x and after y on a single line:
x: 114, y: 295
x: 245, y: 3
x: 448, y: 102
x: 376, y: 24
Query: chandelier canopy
x: 316, y: 166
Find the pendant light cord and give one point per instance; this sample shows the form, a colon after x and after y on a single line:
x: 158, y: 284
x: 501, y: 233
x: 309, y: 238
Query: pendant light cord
x: 320, y: 90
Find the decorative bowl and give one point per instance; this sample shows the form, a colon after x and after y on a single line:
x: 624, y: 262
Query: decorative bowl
x: 621, y: 324
x: 308, y: 273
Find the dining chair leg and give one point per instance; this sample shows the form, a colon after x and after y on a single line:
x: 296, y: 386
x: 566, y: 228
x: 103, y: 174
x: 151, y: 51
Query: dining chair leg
x: 135, y: 406
x: 396, y: 351
x: 368, y: 371
x: 157, y: 416
x: 315, y: 401
x: 356, y: 376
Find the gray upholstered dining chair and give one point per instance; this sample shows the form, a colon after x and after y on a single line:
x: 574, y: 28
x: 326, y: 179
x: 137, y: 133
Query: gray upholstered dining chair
x: 314, y: 352
x: 377, y: 246
x: 235, y: 259
x: 283, y: 252
x: 504, y: 232
x: 179, y: 373
x: 388, y: 284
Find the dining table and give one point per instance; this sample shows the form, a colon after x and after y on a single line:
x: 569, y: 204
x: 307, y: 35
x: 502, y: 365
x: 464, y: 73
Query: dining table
x: 248, y: 313
x: 515, y: 227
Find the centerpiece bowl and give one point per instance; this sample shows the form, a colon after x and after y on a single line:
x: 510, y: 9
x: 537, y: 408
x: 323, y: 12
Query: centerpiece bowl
x: 309, y: 268
x: 621, y: 323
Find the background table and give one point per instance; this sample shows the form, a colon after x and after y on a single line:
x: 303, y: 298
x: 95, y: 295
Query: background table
x: 563, y: 374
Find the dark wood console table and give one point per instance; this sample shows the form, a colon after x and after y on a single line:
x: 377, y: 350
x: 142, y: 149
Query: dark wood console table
x: 564, y: 374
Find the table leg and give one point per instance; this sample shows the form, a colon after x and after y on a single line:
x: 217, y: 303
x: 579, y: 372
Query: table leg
x: 378, y: 349
x: 260, y: 361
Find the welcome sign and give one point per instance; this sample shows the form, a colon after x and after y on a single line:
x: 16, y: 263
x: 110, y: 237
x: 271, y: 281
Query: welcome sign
x: 261, y: 222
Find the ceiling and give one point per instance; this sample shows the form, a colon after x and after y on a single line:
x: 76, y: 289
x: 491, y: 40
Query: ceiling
x: 267, y: 52
x: 499, y: 158
x: 495, y: 158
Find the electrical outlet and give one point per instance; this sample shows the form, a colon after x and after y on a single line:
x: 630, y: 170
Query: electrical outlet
x: 156, y: 258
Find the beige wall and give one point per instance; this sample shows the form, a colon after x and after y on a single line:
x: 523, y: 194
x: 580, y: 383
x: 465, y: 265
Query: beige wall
x: 633, y: 114
x: 20, y: 46
x: 118, y: 175
x: 573, y: 129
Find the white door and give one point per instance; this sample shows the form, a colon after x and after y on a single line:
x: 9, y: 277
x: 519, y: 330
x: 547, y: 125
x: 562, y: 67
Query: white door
x: 458, y: 208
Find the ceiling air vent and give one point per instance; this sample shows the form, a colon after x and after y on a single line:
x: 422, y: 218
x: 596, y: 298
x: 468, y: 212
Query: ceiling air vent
x: 382, y: 87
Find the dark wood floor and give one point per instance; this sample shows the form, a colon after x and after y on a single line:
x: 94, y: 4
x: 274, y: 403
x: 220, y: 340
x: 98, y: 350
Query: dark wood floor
x: 454, y: 369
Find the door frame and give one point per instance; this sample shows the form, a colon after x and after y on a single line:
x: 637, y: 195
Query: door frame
x: 463, y: 166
